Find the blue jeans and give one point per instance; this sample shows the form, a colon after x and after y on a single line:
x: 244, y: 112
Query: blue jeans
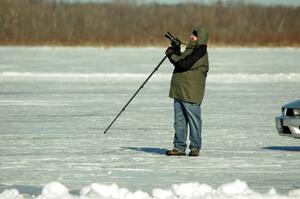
x: 187, y: 115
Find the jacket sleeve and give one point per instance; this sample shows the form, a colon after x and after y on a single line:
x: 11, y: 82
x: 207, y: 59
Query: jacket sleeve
x: 185, y: 62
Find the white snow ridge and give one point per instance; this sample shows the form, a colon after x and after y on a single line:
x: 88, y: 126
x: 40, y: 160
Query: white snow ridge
x: 132, y: 77
x: 234, y: 190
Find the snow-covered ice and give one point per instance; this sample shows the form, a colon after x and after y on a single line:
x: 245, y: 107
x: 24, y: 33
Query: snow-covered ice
x: 55, y: 103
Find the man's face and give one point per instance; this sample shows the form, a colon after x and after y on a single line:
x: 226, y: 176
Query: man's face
x: 193, y: 37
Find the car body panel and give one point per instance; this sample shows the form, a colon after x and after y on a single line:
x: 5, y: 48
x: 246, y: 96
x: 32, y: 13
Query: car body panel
x: 288, y: 124
x: 293, y: 104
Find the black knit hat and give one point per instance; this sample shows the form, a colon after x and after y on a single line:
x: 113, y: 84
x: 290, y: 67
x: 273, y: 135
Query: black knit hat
x: 195, y: 33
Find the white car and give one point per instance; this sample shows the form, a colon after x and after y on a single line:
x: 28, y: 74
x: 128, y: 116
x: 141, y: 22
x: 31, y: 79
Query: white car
x: 288, y: 124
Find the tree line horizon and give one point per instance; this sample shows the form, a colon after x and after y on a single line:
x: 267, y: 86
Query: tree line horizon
x: 122, y: 23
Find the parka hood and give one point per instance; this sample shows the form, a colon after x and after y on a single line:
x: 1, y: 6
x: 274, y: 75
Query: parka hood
x: 202, y: 38
x: 202, y: 35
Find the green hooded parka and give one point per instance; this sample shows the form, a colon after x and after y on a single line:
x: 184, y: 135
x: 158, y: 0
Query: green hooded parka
x: 191, y: 68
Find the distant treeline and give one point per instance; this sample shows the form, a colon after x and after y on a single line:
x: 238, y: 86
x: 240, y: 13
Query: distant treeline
x: 46, y: 22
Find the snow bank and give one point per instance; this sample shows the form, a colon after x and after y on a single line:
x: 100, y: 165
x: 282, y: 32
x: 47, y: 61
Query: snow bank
x: 233, y: 190
x: 55, y: 190
x: 11, y: 194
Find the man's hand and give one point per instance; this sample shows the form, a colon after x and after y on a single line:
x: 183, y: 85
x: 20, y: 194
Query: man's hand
x: 169, y: 52
x: 176, y: 46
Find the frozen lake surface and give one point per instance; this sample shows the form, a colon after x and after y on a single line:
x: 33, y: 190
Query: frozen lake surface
x: 56, y: 102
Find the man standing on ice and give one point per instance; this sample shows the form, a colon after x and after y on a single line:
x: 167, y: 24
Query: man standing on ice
x: 187, y: 89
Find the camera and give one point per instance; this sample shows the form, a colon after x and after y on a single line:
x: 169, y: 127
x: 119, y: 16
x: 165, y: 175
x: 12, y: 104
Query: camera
x: 174, y: 40
x: 175, y: 43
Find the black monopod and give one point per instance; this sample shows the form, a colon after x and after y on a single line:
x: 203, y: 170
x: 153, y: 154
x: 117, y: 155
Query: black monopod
x: 169, y: 36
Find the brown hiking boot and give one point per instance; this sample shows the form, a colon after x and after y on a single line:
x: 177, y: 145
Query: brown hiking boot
x: 194, y: 152
x: 175, y: 152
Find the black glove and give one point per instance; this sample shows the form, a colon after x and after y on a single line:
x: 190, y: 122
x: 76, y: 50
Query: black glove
x: 176, y: 46
x: 169, y: 52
